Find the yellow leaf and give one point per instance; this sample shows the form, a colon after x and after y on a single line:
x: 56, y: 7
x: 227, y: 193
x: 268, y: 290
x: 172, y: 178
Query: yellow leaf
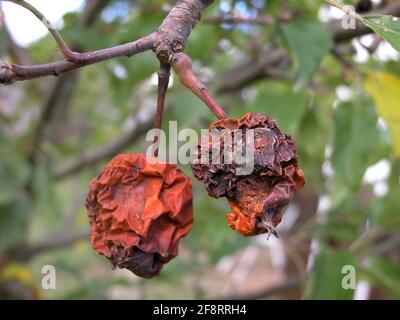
x: 385, y: 89
x: 16, y: 271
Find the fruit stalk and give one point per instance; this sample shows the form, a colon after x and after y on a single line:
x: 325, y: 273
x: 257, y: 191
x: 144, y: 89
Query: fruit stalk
x: 182, y: 65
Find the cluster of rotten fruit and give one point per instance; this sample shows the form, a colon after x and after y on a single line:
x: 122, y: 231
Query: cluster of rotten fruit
x: 139, y: 208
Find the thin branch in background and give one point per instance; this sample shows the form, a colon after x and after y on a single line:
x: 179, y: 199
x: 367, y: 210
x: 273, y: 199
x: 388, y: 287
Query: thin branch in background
x: 163, y: 81
x: 182, y: 65
x: 341, y: 58
x: 18, y: 53
x: 374, y: 45
x: 49, y: 244
x: 45, y: 118
x: 92, y: 156
x: 53, y: 31
x: 387, y: 246
x: 250, y: 71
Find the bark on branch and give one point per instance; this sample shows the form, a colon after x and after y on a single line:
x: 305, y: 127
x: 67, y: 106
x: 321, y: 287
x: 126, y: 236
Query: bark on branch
x: 177, y: 26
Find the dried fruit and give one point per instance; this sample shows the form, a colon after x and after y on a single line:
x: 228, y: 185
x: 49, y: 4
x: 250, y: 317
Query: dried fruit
x: 138, y: 211
x: 256, y: 198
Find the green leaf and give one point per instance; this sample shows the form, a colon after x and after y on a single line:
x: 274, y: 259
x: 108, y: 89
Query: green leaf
x: 355, y: 138
x: 388, y: 27
x: 309, y: 42
x: 325, y: 280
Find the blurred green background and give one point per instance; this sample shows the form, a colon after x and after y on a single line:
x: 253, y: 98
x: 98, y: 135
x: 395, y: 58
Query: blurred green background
x: 337, y: 97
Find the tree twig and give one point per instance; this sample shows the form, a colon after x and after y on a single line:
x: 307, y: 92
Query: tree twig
x: 163, y: 81
x: 182, y: 65
x: 53, y: 31
x: 11, y: 73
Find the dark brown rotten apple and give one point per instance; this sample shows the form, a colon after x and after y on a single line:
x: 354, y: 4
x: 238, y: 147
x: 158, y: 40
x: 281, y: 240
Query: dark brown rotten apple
x: 257, y: 197
x: 138, y: 211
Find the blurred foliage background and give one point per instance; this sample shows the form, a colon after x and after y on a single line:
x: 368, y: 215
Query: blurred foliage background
x: 336, y: 95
